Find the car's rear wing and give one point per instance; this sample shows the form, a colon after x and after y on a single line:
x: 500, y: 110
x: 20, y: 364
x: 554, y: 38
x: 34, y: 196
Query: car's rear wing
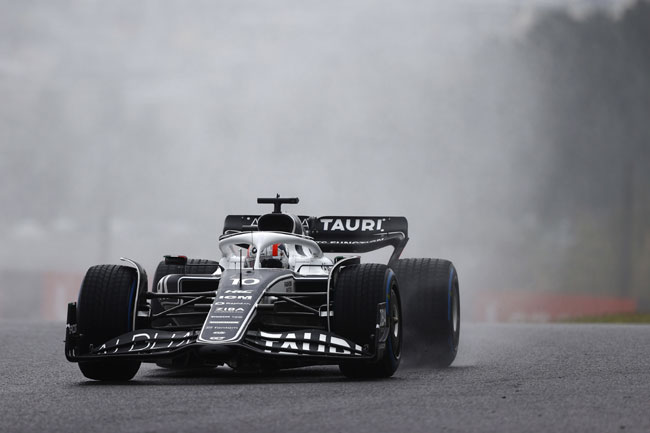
x: 341, y: 234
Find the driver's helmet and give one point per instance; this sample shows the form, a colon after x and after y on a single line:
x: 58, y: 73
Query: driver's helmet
x: 275, y: 256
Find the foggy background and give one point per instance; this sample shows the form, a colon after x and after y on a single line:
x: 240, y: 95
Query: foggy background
x: 513, y: 135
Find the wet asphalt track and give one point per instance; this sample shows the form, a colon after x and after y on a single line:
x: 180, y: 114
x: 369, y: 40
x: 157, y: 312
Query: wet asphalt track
x: 507, y: 378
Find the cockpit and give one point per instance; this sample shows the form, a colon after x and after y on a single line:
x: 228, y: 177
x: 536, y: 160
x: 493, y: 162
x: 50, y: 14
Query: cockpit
x: 280, y: 250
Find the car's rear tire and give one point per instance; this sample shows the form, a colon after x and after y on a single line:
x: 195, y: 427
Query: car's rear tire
x: 192, y: 267
x: 431, y: 302
x: 105, y: 310
x: 358, y: 291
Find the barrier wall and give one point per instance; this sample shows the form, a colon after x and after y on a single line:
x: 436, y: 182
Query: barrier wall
x: 37, y: 295
x: 521, y: 306
x: 45, y: 295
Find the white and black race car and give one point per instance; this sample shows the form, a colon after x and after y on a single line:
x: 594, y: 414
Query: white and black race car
x: 273, y: 300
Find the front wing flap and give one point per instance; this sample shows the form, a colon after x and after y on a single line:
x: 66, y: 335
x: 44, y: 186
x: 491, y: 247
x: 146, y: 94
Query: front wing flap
x: 309, y: 342
x: 151, y: 344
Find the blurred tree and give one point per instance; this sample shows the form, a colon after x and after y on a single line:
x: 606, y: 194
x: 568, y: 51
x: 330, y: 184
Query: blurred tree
x: 596, y: 72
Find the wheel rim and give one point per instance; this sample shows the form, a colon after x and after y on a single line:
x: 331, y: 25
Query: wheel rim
x: 395, y: 324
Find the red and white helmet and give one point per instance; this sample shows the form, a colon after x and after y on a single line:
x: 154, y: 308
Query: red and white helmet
x: 274, y: 256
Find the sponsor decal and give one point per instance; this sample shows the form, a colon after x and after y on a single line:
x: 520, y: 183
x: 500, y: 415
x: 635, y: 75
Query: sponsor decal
x: 147, y: 340
x: 304, y: 221
x: 234, y: 304
x: 300, y: 342
x: 352, y: 224
x: 357, y: 242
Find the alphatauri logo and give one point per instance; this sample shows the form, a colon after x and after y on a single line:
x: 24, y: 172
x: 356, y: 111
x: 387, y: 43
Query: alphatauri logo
x: 352, y: 224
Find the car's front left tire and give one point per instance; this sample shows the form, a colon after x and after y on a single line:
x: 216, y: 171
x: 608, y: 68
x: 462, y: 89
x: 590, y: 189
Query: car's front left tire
x: 105, y: 310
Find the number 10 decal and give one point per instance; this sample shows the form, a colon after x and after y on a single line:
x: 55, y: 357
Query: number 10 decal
x: 246, y: 281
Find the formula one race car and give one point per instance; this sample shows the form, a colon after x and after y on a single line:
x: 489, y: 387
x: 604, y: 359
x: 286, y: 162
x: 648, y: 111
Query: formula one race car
x: 272, y: 301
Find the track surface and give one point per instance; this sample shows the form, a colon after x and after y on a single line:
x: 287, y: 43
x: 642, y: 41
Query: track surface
x: 519, y: 378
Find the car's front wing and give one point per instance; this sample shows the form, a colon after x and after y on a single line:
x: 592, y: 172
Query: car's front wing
x: 152, y: 344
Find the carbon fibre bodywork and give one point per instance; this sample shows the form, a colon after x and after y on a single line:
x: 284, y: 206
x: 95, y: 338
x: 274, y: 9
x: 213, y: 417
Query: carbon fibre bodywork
x: 247, y: 313
x: 255, y: 315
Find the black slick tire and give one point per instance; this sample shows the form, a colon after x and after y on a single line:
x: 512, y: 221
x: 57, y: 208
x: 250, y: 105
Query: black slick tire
x: 105, y: 310
x: 431, y: 303
x: 192, y: 267
x: 358, y: 291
